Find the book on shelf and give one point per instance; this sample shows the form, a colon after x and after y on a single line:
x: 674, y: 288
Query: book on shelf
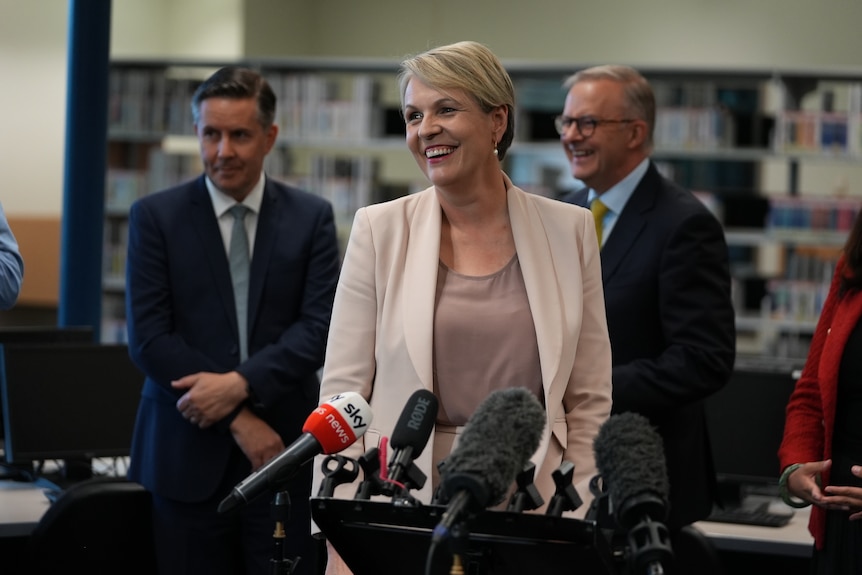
x: 318, y: 107
x: 348, y: 182
x: 824, y: 215
x: 122, y: 188
x: 694, y: 128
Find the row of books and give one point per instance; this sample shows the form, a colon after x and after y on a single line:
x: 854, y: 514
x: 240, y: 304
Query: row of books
x: 827, y: 133
x: 143, y: 100
x: 694, y: 128
x: 812, y: 214
x: 317, y: 106
x: 116, y: 234
x: 165, y: 169
x: 309, y: 106
x: 799, y: 295
x: 797, y: 301
x: 823, y: 127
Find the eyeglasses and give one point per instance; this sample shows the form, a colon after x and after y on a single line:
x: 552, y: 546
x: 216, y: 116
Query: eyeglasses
x: 586, y: 124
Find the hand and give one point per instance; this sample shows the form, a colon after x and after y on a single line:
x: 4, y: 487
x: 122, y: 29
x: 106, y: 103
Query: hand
x: 335, y: 565
x: 804, y: 483
x: 258, y: 441
x: 848, y: 498
x: 210, y: 396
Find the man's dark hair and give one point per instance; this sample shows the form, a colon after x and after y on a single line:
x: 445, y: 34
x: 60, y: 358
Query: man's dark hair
x: 237, y: 83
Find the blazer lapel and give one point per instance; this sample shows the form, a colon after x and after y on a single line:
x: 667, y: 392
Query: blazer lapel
x: 206, y: 227
x: 420, y: 284
x: 536, y: 261
x: 630, y: 223
x: 268, y: 220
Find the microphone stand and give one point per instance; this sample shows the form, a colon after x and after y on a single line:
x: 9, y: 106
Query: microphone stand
x: 565, y: 497
x: 337, y: 470
x: 371, y: 483
x: 280, y: 511
x: 526, y: 496
x: 458, y: 546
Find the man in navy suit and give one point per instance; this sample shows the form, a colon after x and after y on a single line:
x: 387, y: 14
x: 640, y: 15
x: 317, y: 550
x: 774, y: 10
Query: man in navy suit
x: 665, y: 273
x: 219, y: 400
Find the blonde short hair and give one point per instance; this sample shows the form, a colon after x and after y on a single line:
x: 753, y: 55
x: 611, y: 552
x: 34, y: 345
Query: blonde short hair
x: 468, y: 66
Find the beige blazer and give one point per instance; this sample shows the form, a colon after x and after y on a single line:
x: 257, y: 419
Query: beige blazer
x: 380, y: 337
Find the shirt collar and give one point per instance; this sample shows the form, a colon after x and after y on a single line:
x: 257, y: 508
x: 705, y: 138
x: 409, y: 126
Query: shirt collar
x: 618, y: 195
x: 223, y: 202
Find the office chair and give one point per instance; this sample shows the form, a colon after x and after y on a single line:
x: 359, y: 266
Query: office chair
x: 694, y: 553
x: 100, y: 525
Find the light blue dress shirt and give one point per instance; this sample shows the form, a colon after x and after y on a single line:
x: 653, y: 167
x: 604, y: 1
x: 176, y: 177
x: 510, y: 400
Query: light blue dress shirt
x: 617, y: 197
x: 11, y: 265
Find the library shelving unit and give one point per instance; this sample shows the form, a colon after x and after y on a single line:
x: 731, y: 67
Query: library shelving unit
x: 341, y: 136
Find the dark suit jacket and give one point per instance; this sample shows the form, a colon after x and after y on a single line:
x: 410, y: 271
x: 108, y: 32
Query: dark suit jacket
x: 671, y: 324
x: 181, y: 320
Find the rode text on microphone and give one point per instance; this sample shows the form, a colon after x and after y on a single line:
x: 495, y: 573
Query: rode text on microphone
x: 409, y: 438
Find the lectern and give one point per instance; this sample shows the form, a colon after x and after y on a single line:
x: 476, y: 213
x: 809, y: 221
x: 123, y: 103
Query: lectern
x: 381, y: 538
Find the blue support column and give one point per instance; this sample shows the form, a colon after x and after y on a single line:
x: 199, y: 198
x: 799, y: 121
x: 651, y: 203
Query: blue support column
x: 85, y: 164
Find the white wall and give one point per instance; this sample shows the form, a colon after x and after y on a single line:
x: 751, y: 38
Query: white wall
x: 678, y: 32
x: 758, y: 33
x: 33, y: 101
x: 33, y: 41
x: 184, y: 29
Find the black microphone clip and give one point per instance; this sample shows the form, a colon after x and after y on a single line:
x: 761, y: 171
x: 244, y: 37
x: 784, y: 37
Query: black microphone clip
x: 599, y: 510
x: 566, y: 497
x: 371, y: 483
x: 649, y: 546
x: 337, y: 469
x: 526, y: 497
x: 408, y: 477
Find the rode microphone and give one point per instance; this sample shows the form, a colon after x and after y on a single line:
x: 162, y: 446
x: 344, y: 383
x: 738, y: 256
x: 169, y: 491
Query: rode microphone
x: 630, y: 459
x: 494, y: 447
x: 331, y: 427
x: 409, y: 438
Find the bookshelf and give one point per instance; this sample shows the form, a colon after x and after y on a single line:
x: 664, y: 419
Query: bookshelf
x: 341, y: 136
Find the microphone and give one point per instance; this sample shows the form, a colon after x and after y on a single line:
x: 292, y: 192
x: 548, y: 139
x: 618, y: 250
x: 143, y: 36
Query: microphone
x: 332, y: 426
x: 409, y: 438
x: 630, y: 458
x: 494, y: 447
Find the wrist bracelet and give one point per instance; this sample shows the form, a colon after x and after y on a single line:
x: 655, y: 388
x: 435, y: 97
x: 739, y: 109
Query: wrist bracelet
x: 789, y: 499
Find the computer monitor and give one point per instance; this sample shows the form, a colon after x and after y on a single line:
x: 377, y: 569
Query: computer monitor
x: 52, y: 334
x: 745, y: 420
x: 69, y: 402
x: 47, y: 334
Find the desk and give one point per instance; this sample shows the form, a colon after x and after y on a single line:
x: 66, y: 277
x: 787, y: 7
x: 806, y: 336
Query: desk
x: 22, y: 504
x: 792, y: 540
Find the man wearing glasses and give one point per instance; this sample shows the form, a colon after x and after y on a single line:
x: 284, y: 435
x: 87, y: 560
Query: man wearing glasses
x: 665, y: 273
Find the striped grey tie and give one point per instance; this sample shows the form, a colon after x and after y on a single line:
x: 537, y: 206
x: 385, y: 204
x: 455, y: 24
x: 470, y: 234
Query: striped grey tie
x: 238, y: 256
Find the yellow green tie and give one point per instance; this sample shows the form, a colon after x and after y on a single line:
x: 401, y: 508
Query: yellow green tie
x: 599, y: 210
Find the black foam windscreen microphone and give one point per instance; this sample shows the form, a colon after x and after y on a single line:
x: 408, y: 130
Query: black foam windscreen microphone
x: 411, y: 434
x: 494, y: 447
x: 630, y: 458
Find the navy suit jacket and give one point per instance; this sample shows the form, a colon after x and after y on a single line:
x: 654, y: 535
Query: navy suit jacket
x: 671, y: 323
x: 181, y: 320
